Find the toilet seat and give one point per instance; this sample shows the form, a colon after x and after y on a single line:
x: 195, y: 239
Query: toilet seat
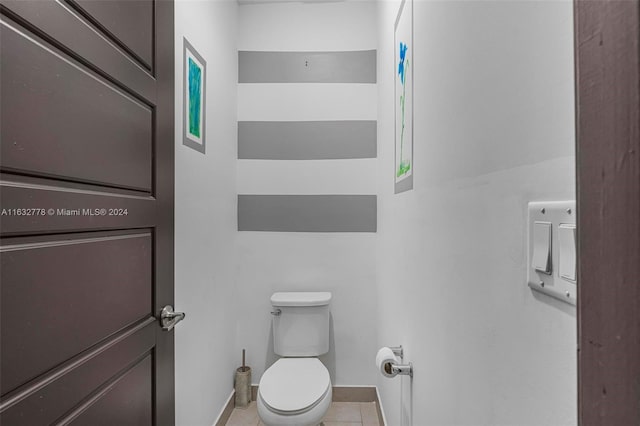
x: 294, y: 385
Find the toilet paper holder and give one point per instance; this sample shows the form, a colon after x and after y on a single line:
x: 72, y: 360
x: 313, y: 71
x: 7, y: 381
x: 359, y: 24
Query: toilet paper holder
x: 394, y: 369
x: 401, y: 370
x: 397, y: 351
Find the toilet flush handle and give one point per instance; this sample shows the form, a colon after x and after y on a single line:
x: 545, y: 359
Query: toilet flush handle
x: 276, y: 312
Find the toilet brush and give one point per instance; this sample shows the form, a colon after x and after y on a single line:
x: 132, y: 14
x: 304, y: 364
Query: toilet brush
x: 243, y: 384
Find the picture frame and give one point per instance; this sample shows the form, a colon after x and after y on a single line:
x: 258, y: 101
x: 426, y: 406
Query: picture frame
x: 403, y: 98
x: 194, y: 98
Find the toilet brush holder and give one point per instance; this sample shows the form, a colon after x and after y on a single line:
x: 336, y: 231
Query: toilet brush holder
x: 243, y: 386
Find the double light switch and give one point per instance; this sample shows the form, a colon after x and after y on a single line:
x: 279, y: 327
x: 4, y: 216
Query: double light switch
x: 552, y: 249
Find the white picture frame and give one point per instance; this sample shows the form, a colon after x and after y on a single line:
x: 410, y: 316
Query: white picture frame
x: 403, y: 98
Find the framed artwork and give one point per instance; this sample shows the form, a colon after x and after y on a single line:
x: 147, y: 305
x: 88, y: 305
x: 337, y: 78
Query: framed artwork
x: 193, y: 116
x: 403, y: 98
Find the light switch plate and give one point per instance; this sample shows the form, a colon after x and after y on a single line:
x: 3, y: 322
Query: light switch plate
x: 559, y: 214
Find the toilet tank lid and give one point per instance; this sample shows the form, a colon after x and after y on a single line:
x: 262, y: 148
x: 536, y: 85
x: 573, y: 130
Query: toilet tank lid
x: 299, y: 298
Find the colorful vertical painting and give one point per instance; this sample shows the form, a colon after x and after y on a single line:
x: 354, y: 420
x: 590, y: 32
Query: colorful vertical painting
x: 403, y: 98
x: 195, y: 71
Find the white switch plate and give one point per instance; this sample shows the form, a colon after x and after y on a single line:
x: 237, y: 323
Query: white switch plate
x: 556, y: 213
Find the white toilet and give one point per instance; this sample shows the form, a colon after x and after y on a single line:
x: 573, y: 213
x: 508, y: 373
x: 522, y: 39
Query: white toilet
x: 296, y: 389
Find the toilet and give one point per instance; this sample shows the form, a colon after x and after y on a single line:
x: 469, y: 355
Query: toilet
x: 296, y: 389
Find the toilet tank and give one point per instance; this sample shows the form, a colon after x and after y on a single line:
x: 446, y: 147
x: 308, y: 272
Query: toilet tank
x: 301, y: 323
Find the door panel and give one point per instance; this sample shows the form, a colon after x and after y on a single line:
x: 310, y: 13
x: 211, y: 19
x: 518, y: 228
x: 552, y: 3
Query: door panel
x: 129, y: 23
x: 70, y: 296
x: 66, y: 28
x: 68, y: 387
x: 35, y: 193
x: 89, y: 123
x: 86, y: 195
x: 126, y: 402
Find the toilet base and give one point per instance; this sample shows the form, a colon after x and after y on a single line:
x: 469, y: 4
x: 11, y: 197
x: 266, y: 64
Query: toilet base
x: 313, y: 417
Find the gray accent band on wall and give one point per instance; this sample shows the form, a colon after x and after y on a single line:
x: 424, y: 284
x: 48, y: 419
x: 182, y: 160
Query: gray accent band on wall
x: 307, y: 140
x: 307, y: 213
x: 307, y: 67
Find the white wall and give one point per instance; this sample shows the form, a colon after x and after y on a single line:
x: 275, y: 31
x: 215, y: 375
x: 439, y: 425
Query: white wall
x: 343, y: 263
x: 494, y: 129
x: 205, y: 218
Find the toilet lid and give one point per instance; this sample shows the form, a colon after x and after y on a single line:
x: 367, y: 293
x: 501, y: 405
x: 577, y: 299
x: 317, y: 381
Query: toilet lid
x: 293, y: 384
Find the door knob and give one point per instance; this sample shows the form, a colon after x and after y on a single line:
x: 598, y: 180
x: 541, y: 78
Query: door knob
x: 169, y: 318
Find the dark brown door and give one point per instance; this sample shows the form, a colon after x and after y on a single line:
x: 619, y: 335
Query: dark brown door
x: 86, y: 221
x: 607, y: 39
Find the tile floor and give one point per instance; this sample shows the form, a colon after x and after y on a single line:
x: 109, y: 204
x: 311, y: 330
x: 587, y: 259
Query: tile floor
x: 339, y: 414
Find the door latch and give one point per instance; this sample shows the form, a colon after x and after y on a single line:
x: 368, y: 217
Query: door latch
x: 169, y: 319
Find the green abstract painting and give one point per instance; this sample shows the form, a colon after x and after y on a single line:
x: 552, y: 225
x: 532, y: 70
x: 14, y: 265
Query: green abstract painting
x: 194, y: 113
x: 195, y: 93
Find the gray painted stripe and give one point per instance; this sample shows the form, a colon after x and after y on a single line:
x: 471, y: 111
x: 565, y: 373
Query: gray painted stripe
x: 307, y: 213
x: 307, y: 67
x: 306, y: 140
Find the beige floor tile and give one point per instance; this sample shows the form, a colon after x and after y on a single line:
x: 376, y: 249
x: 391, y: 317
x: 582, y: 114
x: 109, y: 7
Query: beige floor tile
x: 244, y: 416
x: 343, y: 412
x: 369, y: 414
x: 342, y: 424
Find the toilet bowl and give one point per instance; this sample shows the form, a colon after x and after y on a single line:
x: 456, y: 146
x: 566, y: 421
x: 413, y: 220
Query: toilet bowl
x: 294, y: 391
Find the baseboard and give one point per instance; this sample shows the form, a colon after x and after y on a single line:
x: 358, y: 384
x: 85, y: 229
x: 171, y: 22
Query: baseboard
x: 381, y: 417
x: 340, y: 394
x: 354, y: 394
x: 224, y: 415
